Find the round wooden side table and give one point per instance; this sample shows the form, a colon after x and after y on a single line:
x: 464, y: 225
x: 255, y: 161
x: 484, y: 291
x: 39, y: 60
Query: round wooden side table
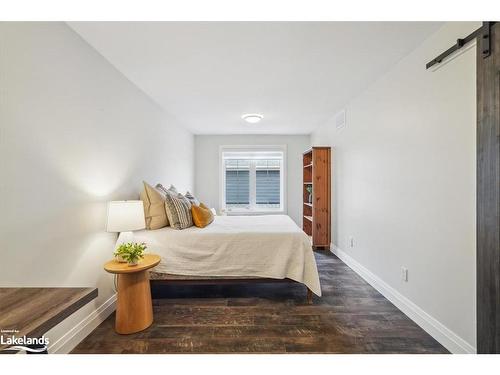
x: 134, y: 308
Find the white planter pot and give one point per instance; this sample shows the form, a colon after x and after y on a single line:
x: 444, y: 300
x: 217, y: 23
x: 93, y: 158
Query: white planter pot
x: 120, y: 259
x: 134, y: 263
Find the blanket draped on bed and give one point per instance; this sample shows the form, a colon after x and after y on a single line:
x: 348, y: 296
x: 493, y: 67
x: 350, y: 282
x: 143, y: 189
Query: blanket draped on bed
x: 270, y: 246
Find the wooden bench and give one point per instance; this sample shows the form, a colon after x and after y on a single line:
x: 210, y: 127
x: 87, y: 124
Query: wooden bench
x: 31, y: 312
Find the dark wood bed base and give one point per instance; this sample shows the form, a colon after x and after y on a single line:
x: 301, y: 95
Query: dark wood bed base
x: 169, y: 279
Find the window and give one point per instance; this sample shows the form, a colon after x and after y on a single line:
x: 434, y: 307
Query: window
x: 252, y: 179
x: 237, y: 183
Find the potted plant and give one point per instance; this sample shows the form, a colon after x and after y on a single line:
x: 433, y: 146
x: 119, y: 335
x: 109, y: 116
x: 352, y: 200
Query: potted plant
x: 118, y: 255
x: 130, y: 252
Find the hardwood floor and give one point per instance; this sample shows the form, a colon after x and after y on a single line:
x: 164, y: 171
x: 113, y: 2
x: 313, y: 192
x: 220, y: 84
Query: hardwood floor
x: 351, y: 317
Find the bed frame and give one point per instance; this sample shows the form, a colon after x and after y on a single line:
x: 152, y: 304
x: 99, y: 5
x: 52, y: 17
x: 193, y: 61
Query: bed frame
x: 157, y: 278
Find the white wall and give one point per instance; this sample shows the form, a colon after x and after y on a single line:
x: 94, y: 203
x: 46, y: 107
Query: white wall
x: 207, y: 163
x: 74, y: 134
x: 404, y: 181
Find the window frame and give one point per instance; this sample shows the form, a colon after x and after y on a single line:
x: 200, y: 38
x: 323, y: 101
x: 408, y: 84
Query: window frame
x: 253, y: 210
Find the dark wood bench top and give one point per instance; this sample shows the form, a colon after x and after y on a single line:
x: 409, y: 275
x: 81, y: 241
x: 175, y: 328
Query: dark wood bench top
x: 34, y: 311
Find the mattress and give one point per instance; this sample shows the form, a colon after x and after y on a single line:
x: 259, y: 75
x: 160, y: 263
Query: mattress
x: 268, y: 246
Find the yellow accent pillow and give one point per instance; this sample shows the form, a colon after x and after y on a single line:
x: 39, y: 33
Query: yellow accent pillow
x: 202, y: 215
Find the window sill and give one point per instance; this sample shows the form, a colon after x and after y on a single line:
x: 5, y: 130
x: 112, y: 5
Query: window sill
x: 254, y: 212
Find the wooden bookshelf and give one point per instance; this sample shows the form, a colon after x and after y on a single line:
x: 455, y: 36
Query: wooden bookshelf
x: 316, y: 221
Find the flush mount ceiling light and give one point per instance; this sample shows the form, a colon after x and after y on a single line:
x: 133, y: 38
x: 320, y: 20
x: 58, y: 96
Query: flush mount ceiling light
x: 252, y: 118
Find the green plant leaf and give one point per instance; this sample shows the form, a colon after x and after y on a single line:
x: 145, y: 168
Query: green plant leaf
x: 131, y: 252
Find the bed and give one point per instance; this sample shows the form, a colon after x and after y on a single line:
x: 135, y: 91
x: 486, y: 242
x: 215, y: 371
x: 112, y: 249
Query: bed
x: 250, y: 248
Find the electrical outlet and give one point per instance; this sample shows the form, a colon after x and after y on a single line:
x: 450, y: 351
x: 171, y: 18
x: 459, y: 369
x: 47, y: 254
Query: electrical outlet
x: 404, y: 274
x: 351, y: 242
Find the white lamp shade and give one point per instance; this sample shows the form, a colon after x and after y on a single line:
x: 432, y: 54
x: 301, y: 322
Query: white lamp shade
x: 125, y: 216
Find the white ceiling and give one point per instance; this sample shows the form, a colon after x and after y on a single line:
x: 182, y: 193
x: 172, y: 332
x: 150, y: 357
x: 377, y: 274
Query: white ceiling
x: 297, y: 74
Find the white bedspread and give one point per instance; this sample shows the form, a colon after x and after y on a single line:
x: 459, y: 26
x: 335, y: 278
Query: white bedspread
x: 271, y: 246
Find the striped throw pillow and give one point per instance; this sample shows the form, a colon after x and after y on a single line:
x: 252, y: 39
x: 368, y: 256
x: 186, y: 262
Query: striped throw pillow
x: 164, y: 190
x: 192, y: 198
x: 178, y: 210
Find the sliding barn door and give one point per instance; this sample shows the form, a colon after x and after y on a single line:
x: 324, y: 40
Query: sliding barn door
x: 488, y: 195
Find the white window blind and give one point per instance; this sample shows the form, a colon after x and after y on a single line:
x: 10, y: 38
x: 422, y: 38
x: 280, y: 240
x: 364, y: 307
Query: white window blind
x: 267, y: 183
x: 237, y: 183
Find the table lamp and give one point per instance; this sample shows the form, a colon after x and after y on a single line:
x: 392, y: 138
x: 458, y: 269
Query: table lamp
x: 125, y: 217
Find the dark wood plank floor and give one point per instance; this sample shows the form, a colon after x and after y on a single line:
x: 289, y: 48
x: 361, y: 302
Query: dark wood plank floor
x: 351, y: 317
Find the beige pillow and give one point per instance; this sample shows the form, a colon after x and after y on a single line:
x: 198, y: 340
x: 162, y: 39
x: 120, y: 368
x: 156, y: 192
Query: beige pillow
x: 154, y: 208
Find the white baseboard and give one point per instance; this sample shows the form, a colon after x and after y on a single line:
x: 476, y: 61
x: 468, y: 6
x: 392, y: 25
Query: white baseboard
x: 446, y: 337
x: 67, y: 342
